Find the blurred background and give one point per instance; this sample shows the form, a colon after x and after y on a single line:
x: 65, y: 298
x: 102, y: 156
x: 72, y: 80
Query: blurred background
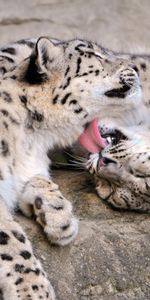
x: 117, y: 24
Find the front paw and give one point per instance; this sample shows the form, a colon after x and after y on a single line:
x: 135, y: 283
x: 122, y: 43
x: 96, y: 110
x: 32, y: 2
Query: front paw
x: 54, y: 214
x: 56, y: 218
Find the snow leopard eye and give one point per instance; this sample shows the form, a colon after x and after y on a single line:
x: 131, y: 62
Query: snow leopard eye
x: 113, y: 138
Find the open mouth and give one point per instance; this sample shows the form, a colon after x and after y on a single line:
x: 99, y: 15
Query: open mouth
x: 104, y: 161
x: 94, y: 142
x: 91, y: 138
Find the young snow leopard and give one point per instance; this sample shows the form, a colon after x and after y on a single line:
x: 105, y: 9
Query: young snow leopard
x: 48, y: 100
x: 122, y: 169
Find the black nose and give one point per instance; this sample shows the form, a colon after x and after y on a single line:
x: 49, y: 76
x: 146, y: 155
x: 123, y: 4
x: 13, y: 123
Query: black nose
x: 135, y: 68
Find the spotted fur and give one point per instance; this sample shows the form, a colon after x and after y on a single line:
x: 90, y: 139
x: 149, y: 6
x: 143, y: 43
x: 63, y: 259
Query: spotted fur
x: 11, y: 55
x: 47, y: 100
x: 122, y: 169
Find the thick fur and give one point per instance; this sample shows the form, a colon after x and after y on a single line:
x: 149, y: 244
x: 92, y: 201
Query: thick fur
x: 123, y: 170
x: 47, y: 101
x: 14, y: 53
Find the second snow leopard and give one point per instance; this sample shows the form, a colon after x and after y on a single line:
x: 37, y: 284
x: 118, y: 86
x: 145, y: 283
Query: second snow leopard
x: 122, y: 169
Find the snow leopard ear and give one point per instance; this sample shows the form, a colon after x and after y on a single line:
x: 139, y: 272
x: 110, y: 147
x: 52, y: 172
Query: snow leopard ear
x: 46, y: 57
x: 48, y: 54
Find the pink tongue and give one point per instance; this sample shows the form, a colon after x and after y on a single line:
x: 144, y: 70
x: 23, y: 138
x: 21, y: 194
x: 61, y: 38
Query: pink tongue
x: 91, y: 139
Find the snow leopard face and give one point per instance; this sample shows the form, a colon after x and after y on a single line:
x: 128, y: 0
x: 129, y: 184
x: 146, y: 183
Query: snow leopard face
x: 122, y: 168
x: 73, y: 83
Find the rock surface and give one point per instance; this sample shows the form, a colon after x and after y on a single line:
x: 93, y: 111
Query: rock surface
x: 110, y: 259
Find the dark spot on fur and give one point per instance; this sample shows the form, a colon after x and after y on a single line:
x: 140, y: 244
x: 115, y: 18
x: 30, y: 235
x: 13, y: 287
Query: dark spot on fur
x: 30, y: 44
x: 14, y: 121
x: 65, y: 227
x: 97, y: 72
x: 6, y: 257
x: 64, y: 99
x: 38, y: 202
x: 5, y: 112
x: 23, y: 99
x: 26, y: 42
x: 6, y: 96
x: 67, y: 70
x: 4, y: 237
x: 78, y: 110
x: 25, y: 254
x: 81, y: 53
x: 9, y: 50
x: 29, y: 270
x: 37, y: 271
x: 70, y: 56
x: 14, y: 77
x: 58, y: 207
x: 55, y: 99
x: 8, y: 274
x: 79, y: 60
x: 4, y: 148
x: 3, y: 70
x: 73, y: 102
x: 5, y: 125
x: 19, y: 268
x: 18, y: 281
x: 37, y: 116
x: 19, y: 236
x: 67, y: 83
x: 7, y: 58
x: 35, y: 287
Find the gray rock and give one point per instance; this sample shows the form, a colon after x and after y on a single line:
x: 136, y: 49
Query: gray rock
x: 110, y: 258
